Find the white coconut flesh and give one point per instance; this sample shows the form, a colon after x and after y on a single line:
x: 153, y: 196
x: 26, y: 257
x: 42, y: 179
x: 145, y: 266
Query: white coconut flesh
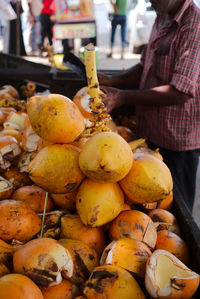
x: 107, y: 255
x: 3, y: 185
x: 32, y: 142
x: 166, y: 270
x: 85, y: 102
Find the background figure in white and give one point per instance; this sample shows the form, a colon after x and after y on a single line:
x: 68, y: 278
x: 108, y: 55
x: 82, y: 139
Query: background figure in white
x: 6, y: 14
x: 31, y: 25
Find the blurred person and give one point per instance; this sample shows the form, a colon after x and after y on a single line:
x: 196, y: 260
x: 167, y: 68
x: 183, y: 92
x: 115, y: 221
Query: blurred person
x: 6, y: 14
x: 31, y: 24
x: 165, y: 89
x: 46, y: 23
x: 35, y: 7
x: 16, y: 39
x: 118, y: 18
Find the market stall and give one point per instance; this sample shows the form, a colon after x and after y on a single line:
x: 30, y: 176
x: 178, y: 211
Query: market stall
x: 74, y: 20
x: 67, y: 83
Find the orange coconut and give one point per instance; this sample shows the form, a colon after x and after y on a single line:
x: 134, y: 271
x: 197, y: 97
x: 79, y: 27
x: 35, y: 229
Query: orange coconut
x: 149, y: 179
x: 13, y: 286
x: 6, y: 257
x: 17, y: 178
x: 2, y: 117
x: 25, y: 222
x: 55, y: 118
x: 42, y: 143
x: 42, y: 260
x: 106, y: 157
x: 98, y: 203
x: 134, y: 224
x: 83, y: 260
x: 171, y: 242
x: 127, y: 253
x: 112, y: 282
x: 168, y: 278
x: 73, y: 228
x: 126, y: 133
x: 64, y: 290
x: 56, y: 169
x: 164, y: 220
x: 34, y: 197
x: 65, y: 201
x: 165, y: 204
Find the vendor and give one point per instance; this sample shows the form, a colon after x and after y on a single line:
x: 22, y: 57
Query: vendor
x: 165, y: 87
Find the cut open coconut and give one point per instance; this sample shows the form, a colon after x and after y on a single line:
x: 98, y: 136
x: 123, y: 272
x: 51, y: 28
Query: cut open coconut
x: 82, y: 100
x: 167, y: 277
x: 9, y: 148
x: 42, y: 260
x: 6, y: 188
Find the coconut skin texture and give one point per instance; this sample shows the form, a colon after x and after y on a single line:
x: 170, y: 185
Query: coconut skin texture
x: 55, y: 118
x: 149, y: 179
x: 84, y: 260
x: 42, y: 260
x: 25, y: 222
x: 56, y: 169
x: 134, y: 224
x: 73, y: 228
x: 14, y: 286
x: 112, y: 282
x: 127, y: 253
x: 168, y: 278
x: 106, y: 157
x: 98, y: 203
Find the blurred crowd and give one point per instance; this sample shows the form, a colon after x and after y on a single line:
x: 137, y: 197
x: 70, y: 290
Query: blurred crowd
x: 26, y: 25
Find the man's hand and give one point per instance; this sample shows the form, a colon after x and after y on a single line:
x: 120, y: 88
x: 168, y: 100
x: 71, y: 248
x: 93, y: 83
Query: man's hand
x: 105, y: 79
x: 112, y: 97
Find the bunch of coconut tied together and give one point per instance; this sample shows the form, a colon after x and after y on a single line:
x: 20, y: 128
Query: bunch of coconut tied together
x: 93, y: 220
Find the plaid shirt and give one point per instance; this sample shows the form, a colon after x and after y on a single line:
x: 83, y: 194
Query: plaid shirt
x: 172, y: 56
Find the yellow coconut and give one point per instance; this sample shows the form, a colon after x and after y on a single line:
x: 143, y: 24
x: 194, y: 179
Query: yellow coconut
x: 73, y: 228
x: 127, y: 253
x: 42, y: 260
x: 149, y: 179
x: 106, y: 157
x: 134, y: 224
x: 99, y: 203
x: 168, y: 278
x: 55, y: 168
x: 112, y: 282
x: 55, y: 118
x: 83, y: 260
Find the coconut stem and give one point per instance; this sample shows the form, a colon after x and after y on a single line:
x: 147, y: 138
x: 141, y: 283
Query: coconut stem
x: 99, y: 115
x: 43, y: 215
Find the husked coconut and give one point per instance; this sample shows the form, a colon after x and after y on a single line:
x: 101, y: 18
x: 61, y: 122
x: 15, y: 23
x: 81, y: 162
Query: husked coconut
x: 42, y: 260
x: 167, y: 277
